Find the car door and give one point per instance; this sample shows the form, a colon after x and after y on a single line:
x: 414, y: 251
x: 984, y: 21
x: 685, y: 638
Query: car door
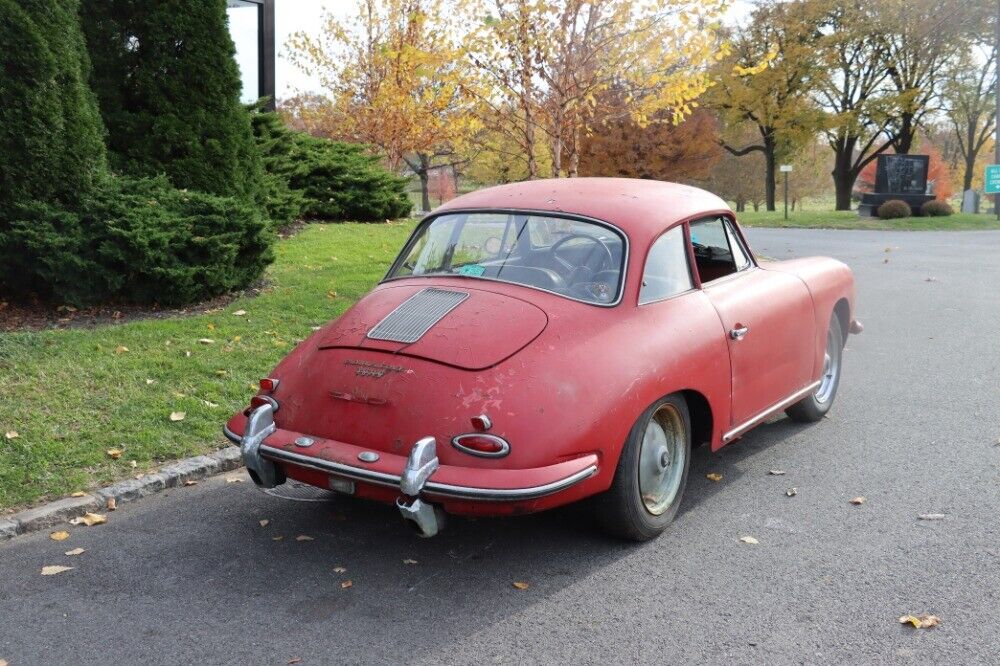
x: 766, y: 316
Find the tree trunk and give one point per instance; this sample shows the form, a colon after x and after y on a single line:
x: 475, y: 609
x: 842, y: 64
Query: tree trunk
x: 907, y: 134
x: 843, y: 183
x: 574, y: 153
x: 843, y: 172
x: 555, y: 148
x: 424, y: 173
x: 770, y: 184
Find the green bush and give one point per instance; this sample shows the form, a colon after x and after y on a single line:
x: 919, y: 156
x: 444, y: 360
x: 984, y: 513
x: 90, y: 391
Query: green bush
x: 136, y: 240
x: 935, y: 208
x: 51, y: 137
x: 276, y: 143
x: 169, y: 92
x: 894, y: 209
x: 342, y: 181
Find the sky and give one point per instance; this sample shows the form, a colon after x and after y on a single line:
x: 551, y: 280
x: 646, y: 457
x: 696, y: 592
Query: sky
x: 292, y: 16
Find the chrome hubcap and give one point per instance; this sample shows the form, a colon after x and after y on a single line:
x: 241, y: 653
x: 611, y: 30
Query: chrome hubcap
x: 831, y: 369
x: 661, y: 460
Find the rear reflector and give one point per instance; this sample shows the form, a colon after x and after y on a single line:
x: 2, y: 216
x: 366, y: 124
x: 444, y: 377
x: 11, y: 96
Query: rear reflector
x: 479, y: 444
x: 259, y: 400
x: 269, y: 385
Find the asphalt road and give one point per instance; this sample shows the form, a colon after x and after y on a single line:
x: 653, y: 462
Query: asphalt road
x: 191, y: 577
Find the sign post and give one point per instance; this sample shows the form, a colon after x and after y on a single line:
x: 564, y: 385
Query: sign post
x: 786, y: 169
x: 991, y: 182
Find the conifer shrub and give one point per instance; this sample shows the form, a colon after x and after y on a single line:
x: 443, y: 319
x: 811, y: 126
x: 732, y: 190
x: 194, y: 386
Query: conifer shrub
x: 936, y: 208
x: 894, y: 209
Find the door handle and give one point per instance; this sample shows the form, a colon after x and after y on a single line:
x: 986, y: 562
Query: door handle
x: 738, y: 332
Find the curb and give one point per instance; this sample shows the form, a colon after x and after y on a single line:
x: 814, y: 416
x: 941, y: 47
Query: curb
x: 129, y: 490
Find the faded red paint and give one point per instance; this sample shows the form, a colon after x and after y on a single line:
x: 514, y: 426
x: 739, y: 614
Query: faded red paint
x: 562, y: 381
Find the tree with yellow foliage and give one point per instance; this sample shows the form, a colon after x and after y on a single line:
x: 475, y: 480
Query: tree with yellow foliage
x: 396, y: 78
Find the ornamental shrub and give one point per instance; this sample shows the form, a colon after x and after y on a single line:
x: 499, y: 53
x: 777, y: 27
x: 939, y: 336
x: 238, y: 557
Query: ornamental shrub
x: 894, y: 209
x: 343, y: 181
x: 169, y: 93
x: 136, y: 240
x: 936, y: 208
x: 276, y: 144
x: 51, y: 137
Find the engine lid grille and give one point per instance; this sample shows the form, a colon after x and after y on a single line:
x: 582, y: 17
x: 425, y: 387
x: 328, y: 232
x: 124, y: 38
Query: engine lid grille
x: 416, y: 315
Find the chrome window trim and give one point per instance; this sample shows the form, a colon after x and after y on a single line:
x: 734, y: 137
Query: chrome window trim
x: 626, y: 250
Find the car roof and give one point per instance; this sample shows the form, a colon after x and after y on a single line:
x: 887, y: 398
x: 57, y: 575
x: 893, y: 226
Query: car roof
x: 640, y: 208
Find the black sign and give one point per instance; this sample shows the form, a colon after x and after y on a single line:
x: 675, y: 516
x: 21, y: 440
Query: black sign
x: 901, y: 174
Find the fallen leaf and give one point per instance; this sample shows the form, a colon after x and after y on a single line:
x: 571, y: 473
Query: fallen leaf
x: 331, y: 294
x: 78, y: 493
x: 294, y: 660
x: 61, y: 535
x: 190, y: 482
x: 121, y: 349
x: 89, y: 519
x: 303, y: 537
x: 931, y: 516
x: 520, y: 585
x: 264, y: 523
x: 931, y: 279
x: 750, y: 540
x: 340, y: 569
x: 206, y: 341
x: 11, y: 434
x: 315, y: 328
x: 221, y: 373
x: 777, y: 472
x: 858, y: 501
x: 924, y: 621
x: 177, y: 416
x: 233, y: 479
x: 209, y: 404
x: 277, y: 538
x: 714, y: 476
x: 133, y: 464
x: 114, y: 454
x: 150, y: 382
x: 54, y: 569
x: 75, y: 551
x: 112, y: 504
x: 240, y: 313
x: 187, y: 354
x: 409, y: 561
x: 346, y: 584
x: 792, y: 492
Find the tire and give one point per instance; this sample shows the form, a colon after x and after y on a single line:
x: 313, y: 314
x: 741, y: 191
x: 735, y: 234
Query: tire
x: 624, y: 511
x: 815, y: 406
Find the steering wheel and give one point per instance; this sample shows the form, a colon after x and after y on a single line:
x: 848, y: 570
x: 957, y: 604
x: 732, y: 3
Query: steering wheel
x: 607, y: 259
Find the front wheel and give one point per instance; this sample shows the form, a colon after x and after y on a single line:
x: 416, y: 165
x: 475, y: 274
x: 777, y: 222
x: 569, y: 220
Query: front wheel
x: 815, y: 406
x: 651, y: 475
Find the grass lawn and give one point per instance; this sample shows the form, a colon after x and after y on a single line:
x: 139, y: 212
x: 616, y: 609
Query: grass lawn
x: 813, y: 219
x: 73, y: 394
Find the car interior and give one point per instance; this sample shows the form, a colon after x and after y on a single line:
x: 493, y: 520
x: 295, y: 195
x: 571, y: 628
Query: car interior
x: 718, y: 251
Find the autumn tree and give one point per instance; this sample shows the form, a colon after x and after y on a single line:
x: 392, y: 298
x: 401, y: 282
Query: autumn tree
x: 766, y: 81
x: 623, y: 147
x: 548, y: 60
x: 739, y: 179
x: 396, y: 78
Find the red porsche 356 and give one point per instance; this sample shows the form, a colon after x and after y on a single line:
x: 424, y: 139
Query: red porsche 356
x: 544, y: 342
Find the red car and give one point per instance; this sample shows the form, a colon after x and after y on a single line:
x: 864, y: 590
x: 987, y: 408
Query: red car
x: 546, y: 342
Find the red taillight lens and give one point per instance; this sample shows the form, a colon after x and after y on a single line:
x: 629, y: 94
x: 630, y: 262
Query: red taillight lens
x: 259, y: 400
x: 269, y: 385
x: 487, y: 446
x: 482, y: 423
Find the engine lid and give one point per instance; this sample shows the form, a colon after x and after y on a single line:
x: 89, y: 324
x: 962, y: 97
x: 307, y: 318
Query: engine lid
x: 463, y: 327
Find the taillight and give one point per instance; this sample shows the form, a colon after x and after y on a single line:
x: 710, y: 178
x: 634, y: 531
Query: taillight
x: 269, y: 385
x: 482, y: 423
x: 259, y: 400
x: 479, y: 444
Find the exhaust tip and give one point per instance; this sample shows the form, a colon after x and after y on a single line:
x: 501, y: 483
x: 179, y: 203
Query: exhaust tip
x: 426, y: 518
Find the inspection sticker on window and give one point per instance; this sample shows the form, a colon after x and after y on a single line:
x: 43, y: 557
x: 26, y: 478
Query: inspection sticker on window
x: 474, y: 270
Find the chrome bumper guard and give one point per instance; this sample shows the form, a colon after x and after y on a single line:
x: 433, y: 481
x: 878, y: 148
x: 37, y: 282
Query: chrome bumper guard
x: 260, y: 424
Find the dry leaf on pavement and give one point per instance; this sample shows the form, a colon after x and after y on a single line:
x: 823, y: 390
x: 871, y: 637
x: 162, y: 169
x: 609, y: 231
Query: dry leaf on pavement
x: 858, y: 501
x: 61, y: 535
x: 11, y: 434
x: 114, y: 454
x: 54, y: 569
x: 792, y: 492
x: 78, y: 493
x: 776, y: 472
x: 277, y: 538
x: 924, y: 621
x: 112, y: 504
x: 75, y: 551
x: 346, y: 584
x: 714, y: 476
x: 520, y: 585
x: 931, y: 516
x: 263, y: 523
x: 89, y: 519
x: 177, y: 416
x: 409, y: 561
x: 294, y: 660
x: 303, y: 537
x: 190, y: 482
x: 749, y: 539
x: 340, y: 569
x: 233, y: 479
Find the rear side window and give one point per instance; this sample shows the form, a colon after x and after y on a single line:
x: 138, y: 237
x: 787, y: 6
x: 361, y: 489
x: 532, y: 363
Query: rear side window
x: 667, y: 271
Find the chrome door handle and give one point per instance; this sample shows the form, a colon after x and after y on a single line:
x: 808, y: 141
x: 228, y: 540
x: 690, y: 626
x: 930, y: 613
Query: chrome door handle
x: 739, y: 332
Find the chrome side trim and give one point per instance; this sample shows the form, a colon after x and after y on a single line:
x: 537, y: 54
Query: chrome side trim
x: 431, y: 487
x: 754, y: 420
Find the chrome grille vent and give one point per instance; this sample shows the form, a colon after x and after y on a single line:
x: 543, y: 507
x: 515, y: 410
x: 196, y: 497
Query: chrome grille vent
x: 416, y: 315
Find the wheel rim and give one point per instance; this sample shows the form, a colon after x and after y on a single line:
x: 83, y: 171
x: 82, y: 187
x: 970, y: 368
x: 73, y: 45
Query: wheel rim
x: 662, y: 459
x: 831, y: 368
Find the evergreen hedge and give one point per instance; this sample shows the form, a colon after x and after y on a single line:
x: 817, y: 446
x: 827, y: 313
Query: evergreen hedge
x: 169, y: 93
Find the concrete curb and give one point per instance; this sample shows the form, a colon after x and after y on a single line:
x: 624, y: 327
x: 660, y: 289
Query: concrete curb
x: 129, y: 490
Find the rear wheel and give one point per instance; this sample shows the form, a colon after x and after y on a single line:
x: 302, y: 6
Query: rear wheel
x: 815, y: 406
x: 651, y: 475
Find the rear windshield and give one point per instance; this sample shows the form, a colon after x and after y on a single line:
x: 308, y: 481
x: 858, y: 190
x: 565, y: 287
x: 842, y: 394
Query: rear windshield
x: 574, y: 258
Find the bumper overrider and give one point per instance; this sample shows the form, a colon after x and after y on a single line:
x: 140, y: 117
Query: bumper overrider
x: 418, y: 477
